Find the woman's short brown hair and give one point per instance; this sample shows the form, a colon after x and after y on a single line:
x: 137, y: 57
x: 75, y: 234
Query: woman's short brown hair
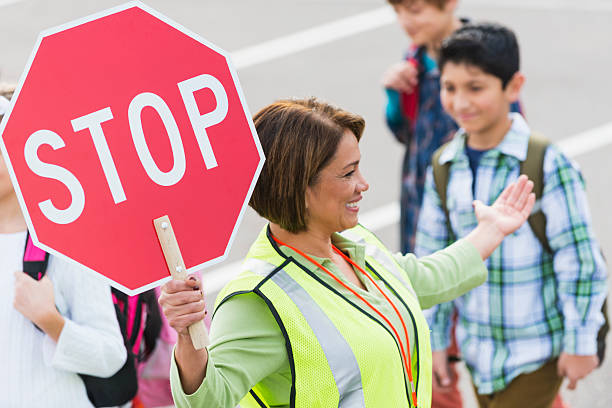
x: 299, y: 137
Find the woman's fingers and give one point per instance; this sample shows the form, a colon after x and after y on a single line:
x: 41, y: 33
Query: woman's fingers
x: 177, y: 285
x: 519, y: 185
x: 180, y: 298
x: 182, y: 302
x: 182, y: 322
x: 526, y: 210
x: 516, y: 194
x: 524, y: 195
x: 503, y: 197
x: 194, y: 307
x: 182, y: 308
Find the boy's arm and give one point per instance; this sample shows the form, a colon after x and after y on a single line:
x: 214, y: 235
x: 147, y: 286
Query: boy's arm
x: 400, y: 125
x: 578, y: 264
x: 400, y: 78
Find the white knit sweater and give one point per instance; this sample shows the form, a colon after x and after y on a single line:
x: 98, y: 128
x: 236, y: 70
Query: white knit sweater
x: 35, y: 371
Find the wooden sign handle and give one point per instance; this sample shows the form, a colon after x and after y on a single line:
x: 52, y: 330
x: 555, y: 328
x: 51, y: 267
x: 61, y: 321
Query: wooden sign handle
x: 176, y: 266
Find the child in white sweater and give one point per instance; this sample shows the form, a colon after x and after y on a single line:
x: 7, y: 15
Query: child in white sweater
x: 77, y: 328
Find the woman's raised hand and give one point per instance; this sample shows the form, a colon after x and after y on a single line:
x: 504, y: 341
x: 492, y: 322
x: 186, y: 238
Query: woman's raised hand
x: 511, y: 208
x: 183, y: 303
x: 505, y: 216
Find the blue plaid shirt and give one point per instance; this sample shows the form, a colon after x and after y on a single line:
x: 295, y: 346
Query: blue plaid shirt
x: 432, y: 128
x: 534, y: 305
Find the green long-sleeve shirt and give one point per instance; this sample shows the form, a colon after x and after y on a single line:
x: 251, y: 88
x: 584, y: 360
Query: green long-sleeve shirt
x: 247, y: 346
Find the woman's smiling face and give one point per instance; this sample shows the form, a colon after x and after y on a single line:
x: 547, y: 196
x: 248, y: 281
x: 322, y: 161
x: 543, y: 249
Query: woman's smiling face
x: 333, y: 201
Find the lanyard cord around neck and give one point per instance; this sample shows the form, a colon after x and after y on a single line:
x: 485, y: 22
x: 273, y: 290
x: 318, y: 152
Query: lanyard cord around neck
x: 407, y: 361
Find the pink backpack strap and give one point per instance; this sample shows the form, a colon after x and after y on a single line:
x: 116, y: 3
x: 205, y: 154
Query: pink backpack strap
x: 32, y: 252
x: 34, y: 259
x: 132, y: 307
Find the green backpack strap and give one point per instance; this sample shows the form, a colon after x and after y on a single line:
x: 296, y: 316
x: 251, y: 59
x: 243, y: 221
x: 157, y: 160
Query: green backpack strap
x: 441, y: 174
x: 533, y: 168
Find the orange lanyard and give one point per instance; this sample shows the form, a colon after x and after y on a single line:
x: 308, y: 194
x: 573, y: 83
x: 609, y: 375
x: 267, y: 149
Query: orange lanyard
x: 407, y: 361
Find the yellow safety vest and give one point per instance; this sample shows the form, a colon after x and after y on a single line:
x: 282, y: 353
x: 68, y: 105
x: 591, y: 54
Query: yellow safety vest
x: 340, y: 354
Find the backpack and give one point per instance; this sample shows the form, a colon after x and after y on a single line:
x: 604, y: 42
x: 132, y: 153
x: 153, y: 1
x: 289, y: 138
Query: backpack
x: 410, y: 101
x: 122, y: 386
x: 533, y: 167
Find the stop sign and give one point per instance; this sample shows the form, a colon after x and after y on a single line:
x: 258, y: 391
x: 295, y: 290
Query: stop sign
x: 120, y: 118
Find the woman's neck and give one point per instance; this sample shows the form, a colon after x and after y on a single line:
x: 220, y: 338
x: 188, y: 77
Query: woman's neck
x: 310, y: 242
x: 11, y: 218
x: 491, y: 137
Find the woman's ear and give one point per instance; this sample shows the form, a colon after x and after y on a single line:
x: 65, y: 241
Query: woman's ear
x: 514, y: 86
x: 307, y: 195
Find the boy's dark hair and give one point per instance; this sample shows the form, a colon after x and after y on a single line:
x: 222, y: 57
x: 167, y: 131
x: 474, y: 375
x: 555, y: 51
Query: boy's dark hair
x: 491, y: 47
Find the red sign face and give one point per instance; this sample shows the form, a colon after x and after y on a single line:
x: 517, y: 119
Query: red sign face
x: 121, y: 118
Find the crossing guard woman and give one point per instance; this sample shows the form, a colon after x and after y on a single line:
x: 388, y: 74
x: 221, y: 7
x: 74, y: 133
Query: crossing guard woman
x: 323, y: 314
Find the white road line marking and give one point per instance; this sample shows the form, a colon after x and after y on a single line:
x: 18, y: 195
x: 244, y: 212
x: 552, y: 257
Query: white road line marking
x: 389, y: 214
x: 588, y: 141
x: 7, y: 2
x: 380, y: 17
x: 557, y: 5
x: 312, y: 37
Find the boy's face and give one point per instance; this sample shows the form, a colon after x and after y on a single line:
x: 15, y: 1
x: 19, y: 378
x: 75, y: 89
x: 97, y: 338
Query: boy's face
x: 475, y: 99
x: 424, y: 22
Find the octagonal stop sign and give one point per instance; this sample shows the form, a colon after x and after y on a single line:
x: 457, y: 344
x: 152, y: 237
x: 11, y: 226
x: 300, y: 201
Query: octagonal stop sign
x: 121, y: 118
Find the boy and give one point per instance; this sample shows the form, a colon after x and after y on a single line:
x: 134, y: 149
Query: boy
x: 536, y: 318
x: 414, y: 113
x: 416, y: 117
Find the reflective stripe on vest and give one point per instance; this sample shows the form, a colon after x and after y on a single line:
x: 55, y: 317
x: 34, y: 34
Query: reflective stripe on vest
x: 339, y: 355
x: 381, y: 257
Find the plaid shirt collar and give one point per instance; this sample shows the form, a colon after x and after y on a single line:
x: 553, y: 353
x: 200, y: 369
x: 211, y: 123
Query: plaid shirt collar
x: 514, y: 143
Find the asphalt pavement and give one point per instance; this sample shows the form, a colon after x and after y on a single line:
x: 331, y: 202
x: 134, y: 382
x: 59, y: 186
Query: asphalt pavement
x: 566, y: 57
